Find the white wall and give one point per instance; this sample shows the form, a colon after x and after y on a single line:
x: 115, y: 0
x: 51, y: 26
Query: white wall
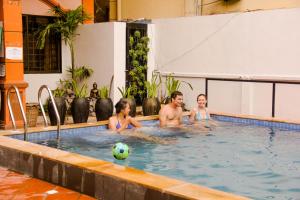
x: 255, y: 43
x: 102, y: 46
x: 262, y: 44
x: 151, y: 53
x: 119, y: 59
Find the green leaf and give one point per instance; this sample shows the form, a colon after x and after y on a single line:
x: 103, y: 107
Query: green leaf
x: 104, y: 92
x: 137, y: 34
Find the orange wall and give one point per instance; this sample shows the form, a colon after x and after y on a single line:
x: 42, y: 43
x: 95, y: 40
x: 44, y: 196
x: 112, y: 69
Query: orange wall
x: 11, y: 15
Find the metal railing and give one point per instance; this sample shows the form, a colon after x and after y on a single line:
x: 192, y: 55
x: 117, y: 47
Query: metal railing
x: 271, y: 81
x: 54, y: 106
x: 21, y: 107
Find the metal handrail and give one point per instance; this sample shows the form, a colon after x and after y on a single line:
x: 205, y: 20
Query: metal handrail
x: 54, y: 105
x: 255, y: 80
x: 21, y: 107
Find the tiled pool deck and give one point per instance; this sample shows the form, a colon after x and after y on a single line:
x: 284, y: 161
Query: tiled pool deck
x: 15, y: 186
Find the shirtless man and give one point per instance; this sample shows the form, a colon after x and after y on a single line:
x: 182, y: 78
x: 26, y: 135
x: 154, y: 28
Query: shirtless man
x: 171, y: 114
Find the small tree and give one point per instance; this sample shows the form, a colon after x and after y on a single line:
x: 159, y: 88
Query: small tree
x: 66, y: 24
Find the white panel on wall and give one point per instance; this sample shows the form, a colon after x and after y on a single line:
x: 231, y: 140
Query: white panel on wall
x: 119, y: 59
x: 102, y: 46
x: 224, y: 96
x: 94, y: 48
x: 151, y: 53
x: 287, y: 101
x: 262, y: 99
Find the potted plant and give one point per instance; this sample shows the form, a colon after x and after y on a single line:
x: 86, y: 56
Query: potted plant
x: 151, y: 104
x: 80, y: 104
x: 104, y: 105
x: 138, y: 58
x: 173, y: 85
x: 126, y: 94
x: 61, y: 105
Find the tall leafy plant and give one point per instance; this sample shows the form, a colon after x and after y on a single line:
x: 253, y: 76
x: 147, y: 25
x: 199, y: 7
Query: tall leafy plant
x: 79, y: 91
x: 78, y: 83
x: 66, y: 24
x: 104, y: 92
x: 153, y: 85
x: 173, y: 85
x: 138, y: 57
x: 126, y: 92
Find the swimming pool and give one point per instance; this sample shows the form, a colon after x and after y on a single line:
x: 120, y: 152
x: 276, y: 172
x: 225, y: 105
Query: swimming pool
x: 259, y: 162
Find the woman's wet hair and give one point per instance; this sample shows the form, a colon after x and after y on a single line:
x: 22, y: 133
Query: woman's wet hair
x: 200, y: 95
x: 121, y: 105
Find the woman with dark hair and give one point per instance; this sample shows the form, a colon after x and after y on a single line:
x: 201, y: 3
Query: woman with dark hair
x: 122, y: 120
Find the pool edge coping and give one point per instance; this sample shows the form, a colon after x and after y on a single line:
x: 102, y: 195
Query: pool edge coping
x: 12, y: 149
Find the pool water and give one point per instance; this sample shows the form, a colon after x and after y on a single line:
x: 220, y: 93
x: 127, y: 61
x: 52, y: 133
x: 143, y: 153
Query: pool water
x: 253, y: 161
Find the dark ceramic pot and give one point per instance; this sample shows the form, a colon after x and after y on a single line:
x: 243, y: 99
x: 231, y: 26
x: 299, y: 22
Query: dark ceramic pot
x: 132, y: 105
x: 80, y: 110
x: 61, y: 108
x: 104, y: 109
x: 151, y: 106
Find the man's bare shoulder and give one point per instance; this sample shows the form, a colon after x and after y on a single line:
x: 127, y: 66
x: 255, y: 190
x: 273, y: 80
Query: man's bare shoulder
x: 179, y: 109
x: 165, y: 108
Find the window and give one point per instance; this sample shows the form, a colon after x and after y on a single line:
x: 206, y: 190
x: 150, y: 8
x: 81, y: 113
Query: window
x: 101, y: 11
x: 47, y: 60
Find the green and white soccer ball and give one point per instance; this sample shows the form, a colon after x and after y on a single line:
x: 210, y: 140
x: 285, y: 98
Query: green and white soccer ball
x: 120, y: 151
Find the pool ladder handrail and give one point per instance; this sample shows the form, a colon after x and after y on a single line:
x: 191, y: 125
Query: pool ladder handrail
x: 21, y: 107
x: 54, y: 105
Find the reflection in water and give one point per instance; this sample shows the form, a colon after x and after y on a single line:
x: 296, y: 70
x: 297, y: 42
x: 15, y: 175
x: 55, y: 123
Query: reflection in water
x: 272, y: 134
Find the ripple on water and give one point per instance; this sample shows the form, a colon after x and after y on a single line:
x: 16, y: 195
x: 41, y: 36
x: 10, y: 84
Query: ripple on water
x: 223, y: 188
x: 266, y: 175
x: 294, y: 190
x: 275, y: 190
x: 217, y: 166
x: 257, y: 152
